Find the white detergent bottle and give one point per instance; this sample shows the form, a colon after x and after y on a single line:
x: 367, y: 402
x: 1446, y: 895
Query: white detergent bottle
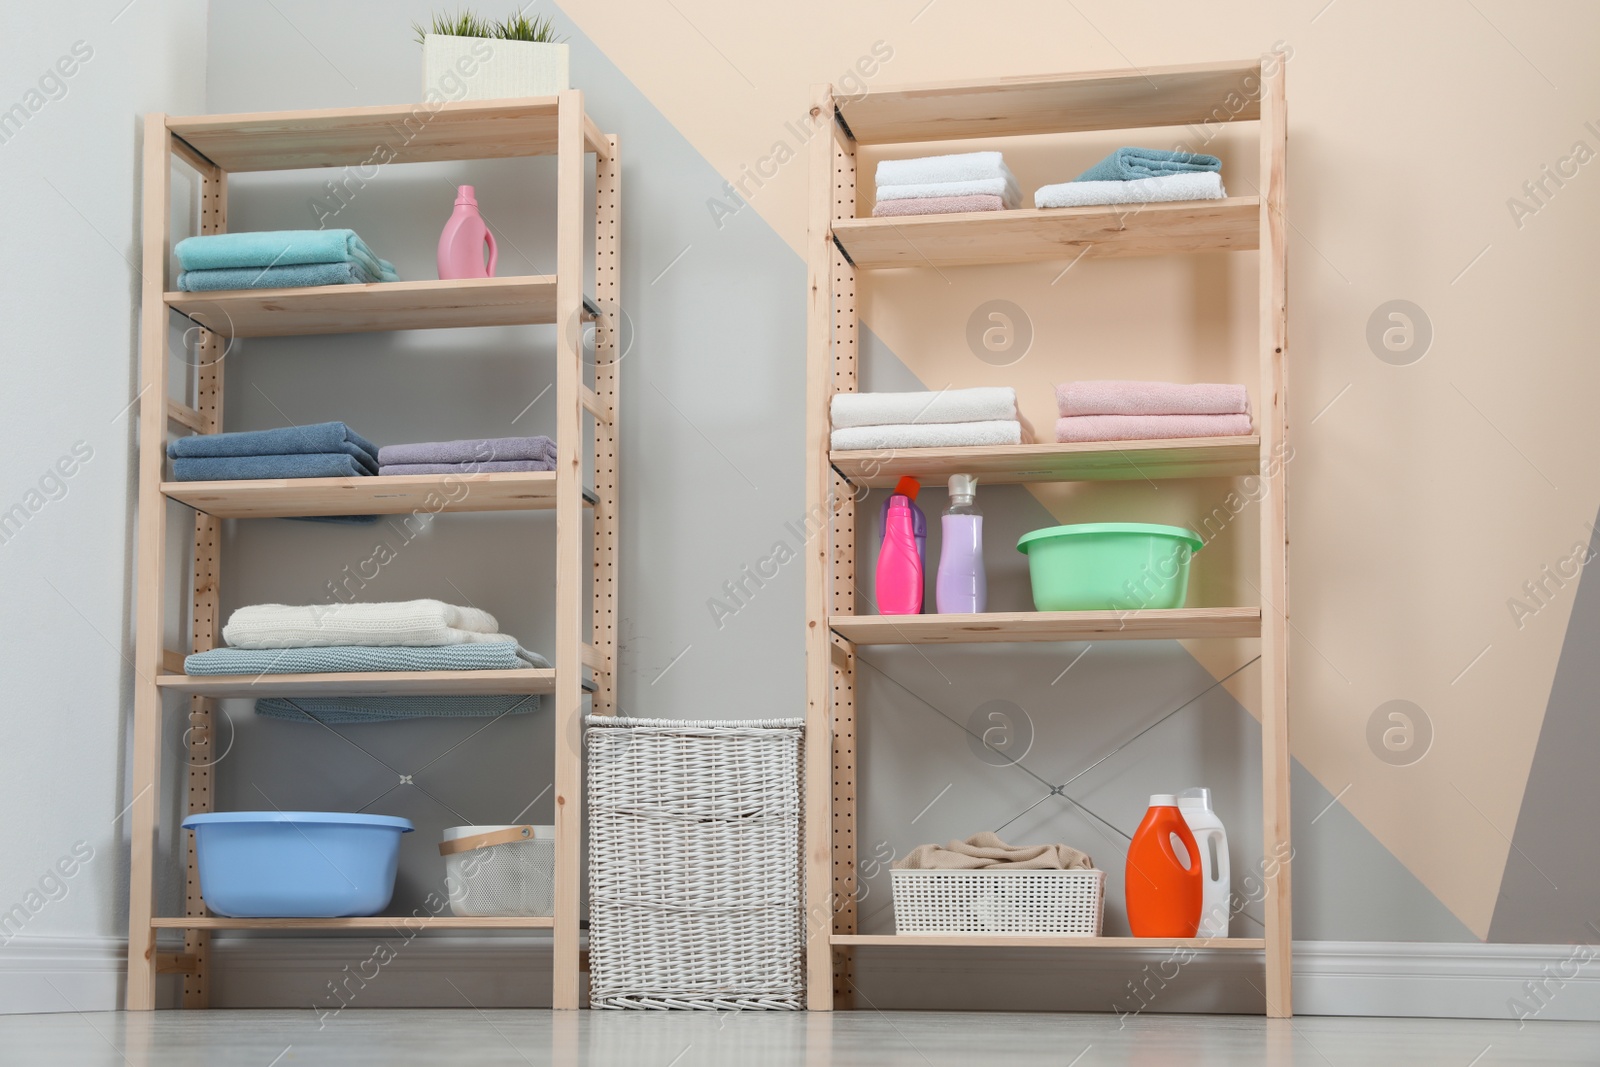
x: 1216, y: 903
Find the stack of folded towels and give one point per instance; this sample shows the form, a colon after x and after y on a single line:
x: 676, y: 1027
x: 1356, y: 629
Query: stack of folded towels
x: 1139, y: 176
x: 322, y: 450
x: 480, y: 456
x: 414, y: 635
x: 938, y: 185
x: 1140, y: 411
x: 950, y: 418
x: 278, y: 259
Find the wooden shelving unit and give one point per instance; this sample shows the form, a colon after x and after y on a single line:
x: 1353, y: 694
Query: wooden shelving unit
x: 843, y: 248
x: 587, y: 411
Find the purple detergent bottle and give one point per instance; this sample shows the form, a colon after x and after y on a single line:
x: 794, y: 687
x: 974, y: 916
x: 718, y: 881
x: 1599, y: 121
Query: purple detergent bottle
x: 962, y: 586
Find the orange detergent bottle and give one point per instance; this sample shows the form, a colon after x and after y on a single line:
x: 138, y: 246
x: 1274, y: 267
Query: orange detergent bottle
x: 1163, y: 894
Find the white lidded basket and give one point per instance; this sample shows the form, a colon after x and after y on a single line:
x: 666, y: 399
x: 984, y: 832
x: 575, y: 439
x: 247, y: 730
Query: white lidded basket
x: 500, y: 870
x: 694, y: 864
x: 999, y: 900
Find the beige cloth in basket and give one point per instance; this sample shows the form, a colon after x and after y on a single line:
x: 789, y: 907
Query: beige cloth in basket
x: 984, y: 850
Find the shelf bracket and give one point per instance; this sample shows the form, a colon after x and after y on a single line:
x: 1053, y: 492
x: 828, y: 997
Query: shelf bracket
x: 184, y: 415
x: 838, y: 116
x: 176, y: 963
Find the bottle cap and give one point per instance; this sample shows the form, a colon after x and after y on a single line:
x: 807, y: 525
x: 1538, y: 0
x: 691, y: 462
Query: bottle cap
x: 963, y: 485
x: 1197, y: 798
x: 465, y: 194
x: 1163, y: 800
x: 898, y: 501
x: 908, y: 487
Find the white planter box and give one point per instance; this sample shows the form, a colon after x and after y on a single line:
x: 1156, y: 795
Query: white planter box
x: 476, y: 68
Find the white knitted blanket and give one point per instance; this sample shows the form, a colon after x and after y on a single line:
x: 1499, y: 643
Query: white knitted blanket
x: 408, y: 622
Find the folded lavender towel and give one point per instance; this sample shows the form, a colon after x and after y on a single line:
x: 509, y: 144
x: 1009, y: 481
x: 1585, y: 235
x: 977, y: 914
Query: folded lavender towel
x: 486, y: 467
x: 1150, y: 398
x: 1078, y: 428
x: 477, y: 450
x: 938, y: 205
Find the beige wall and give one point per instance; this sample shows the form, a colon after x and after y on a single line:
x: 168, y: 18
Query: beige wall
x: 1423, y: 496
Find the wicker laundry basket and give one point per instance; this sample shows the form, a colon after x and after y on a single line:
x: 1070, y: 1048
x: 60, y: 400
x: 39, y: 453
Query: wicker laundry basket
x: 694, y: 863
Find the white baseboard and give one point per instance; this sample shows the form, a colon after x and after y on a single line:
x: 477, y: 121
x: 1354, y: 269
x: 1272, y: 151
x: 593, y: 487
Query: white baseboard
x: 49, y: 974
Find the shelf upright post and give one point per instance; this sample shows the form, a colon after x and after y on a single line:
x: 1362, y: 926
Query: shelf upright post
x: 607, y: 378
x: 568, y: 696
x: 1275, y: 545
x: 151, y: 562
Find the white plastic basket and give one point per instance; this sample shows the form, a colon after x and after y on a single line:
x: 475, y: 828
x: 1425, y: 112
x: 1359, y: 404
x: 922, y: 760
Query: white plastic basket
x: 500, y: 870
x: 999, y: 901
x: 694, y: 864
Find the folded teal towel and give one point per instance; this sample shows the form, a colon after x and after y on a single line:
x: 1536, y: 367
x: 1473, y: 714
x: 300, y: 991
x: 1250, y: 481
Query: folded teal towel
x: 278, y: 248
x: 1126, y: 164
x: 318, y: 437
x: 339, y: 659
x: 253, y: 468
x: 298, y: 276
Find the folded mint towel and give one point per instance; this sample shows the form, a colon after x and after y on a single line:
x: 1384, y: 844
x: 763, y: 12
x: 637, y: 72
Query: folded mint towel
x: 275, y: 248
x: 1126, y: 164
x: 340, y: 659
x: 342, y: 711
x: 251, y: 468
x: 479, y: 450
x: 318, y: 437
x: 298, y: 276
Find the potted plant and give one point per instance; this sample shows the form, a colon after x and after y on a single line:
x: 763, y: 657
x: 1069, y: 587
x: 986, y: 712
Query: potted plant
x: 468, y: 57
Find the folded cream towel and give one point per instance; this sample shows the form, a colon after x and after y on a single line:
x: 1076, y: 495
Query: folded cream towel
x: 936, y: 435
x: 984, y: 403
x: 409, y: 622
x: 1005, y: 188
x: 1149, y: 427
x: 937, y: 205
x: 1199, y: 185
x: 1150, y: 398
x: 955, y: 167
x: 983, y: 851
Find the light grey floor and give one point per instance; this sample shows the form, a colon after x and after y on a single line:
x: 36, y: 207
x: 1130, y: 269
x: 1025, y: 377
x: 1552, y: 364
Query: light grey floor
x: 663, y: 1039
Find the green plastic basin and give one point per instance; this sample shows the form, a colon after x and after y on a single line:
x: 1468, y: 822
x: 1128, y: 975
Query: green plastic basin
x: 1109, y: 566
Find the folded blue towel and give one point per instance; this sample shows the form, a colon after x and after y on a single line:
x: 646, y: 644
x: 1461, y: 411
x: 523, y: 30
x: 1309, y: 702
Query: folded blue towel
x: 339, y: 659
x: 278, y: 248
x: 252, y: 468
x: 337, y: 711
x: 298, y: 276
x: 1125, y: 164
x: 319, y: 437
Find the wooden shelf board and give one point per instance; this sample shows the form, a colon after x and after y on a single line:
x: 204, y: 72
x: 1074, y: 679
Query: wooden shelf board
x: 1198, y: 457
x: 1026, y: 235
x: 374, y: 308
x: 1059, y: 103
x: 270, y: 498
x: 1248, y: 944
x: 362, y: 683
x: 1028, y: 626
x: 393, y: 133
x: 357, y: 922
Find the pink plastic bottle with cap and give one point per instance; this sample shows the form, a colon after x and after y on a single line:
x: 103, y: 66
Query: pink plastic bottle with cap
x: 462, y: 242
x: 899, y: 585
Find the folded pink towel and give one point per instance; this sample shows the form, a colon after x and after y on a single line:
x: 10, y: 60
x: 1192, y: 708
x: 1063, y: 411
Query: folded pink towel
x: 1149, y: 427
x: 1150, y: 398
x: 937, y: 205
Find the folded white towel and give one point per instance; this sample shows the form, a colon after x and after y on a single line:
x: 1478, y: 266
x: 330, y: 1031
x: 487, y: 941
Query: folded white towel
x: 937, y: 435
x: 1196, y: 185
x: 409, y: 622
x: 1005, y: 188
x: 984, y: 404
x: 956, y: 167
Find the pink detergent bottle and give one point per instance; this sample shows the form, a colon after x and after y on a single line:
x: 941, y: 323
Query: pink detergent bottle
x: 462, y: 242
x: 899, y: 585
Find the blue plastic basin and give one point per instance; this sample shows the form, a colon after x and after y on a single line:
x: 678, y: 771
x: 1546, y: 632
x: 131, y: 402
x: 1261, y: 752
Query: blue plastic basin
x: 296, y: 864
